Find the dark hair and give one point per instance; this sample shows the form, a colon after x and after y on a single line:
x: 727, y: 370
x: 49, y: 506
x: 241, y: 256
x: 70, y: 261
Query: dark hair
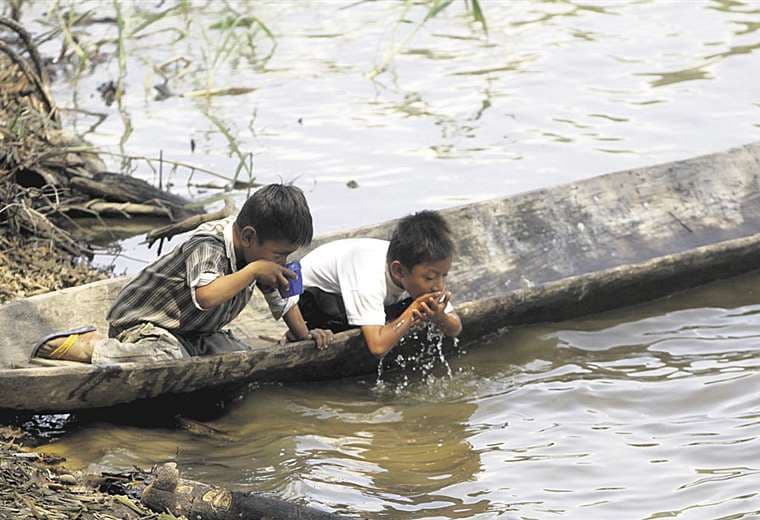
x: 278, y: 212
x: 419, y: 238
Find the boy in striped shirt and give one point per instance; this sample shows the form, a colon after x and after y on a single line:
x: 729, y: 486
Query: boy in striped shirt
x: 177, y: 306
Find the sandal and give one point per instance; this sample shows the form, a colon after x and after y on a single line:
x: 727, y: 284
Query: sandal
x: 63, y: 348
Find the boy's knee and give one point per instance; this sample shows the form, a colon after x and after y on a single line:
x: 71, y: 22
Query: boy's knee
x: 143, y: 343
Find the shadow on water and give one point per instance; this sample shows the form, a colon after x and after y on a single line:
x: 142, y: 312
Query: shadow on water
x: 421, y: 355
x: 169, y: 412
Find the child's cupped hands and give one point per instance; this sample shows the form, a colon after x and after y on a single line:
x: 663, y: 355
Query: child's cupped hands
x: 430, y: 306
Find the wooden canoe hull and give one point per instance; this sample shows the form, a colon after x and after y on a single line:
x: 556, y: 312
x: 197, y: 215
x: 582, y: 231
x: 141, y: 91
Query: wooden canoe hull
x: 609, y: 241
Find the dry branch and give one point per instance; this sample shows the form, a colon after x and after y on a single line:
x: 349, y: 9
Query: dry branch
x: 35, y: 222
x: 33, y: 78
x: 190, y: 223
x: 30, y: 47
x: 117, y: 209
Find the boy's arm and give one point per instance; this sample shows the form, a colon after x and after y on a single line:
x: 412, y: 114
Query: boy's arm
x: 381, y: 339
x: 225, y: 287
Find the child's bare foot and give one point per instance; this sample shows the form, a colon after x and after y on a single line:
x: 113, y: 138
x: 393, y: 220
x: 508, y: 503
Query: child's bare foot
x: 71, y: 346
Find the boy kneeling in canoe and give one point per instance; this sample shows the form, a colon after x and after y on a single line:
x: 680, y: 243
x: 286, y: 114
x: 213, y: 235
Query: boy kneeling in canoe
x: 176, y: 307
x: 369, y: 283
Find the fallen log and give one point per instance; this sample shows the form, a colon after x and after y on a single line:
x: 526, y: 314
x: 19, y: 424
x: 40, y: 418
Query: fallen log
x: 168, y: 492
x: 111, y: 192
x: 122, y: 188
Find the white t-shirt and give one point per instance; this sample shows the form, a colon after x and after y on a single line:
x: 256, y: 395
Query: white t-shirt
x: 356, y: 269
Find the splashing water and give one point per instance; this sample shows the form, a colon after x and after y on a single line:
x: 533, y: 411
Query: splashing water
x: 428, y: 341
x: 435, y: 337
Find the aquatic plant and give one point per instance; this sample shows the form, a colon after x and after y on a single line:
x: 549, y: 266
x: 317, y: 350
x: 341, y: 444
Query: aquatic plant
x: 434, y: 8
x: 96, y: 34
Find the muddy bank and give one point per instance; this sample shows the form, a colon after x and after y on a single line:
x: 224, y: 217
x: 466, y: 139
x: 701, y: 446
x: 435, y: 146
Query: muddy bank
x: 39, y: 486
x: 29, y: 266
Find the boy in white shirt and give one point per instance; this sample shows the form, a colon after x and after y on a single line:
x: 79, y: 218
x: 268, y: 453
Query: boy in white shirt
x: 368, y: 283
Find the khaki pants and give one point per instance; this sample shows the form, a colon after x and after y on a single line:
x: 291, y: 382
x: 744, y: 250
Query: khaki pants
x: 146, y: 343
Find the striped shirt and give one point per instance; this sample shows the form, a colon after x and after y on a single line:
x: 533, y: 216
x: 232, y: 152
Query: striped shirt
x: 164, y: 292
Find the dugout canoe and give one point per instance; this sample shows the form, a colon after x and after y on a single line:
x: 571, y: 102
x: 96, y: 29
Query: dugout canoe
x: 546, y: 255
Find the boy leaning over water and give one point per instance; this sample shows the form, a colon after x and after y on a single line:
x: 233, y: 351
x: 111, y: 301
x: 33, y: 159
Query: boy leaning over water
x: 176, y: 307
x: 368, y: 283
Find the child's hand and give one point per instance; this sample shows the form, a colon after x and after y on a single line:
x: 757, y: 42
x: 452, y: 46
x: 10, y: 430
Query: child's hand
x: 429, y: 306
x: 269, y: 275
x: 440, y: 300
x: 321, y: 337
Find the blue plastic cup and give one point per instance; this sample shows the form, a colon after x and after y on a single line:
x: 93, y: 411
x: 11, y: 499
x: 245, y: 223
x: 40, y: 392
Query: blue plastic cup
x: 295, y: 286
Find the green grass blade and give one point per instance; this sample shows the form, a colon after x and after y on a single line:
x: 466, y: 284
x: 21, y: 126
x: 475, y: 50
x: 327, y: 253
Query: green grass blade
x: 150, y: 18
x: 477, y: 12
x: 437, y: 7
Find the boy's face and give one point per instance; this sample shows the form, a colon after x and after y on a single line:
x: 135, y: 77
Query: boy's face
x: 276, y: 251
x: 423, y: 278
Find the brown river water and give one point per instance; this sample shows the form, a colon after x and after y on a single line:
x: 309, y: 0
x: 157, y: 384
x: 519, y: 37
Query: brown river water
x: 646, y: 412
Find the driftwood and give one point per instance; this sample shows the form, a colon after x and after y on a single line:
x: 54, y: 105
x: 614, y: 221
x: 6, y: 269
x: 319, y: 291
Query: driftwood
x: 191, y: 223
x: 118, y: 209
x: 201, y: 429
x: 110, y: 191
x: 120, y: 188
x: 168, y: 492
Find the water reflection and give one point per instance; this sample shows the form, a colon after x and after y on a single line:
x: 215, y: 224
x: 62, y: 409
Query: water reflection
x: 454, y: 108
x: 680, y: 76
